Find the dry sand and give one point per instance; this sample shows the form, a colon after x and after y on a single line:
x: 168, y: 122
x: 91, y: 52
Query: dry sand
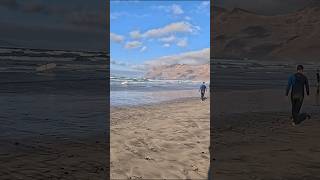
x: 53, y: 158
x: 162, y: 141
x: 254, y: 139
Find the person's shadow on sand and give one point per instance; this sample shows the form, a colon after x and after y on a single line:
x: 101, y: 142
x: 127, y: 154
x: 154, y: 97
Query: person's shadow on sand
x: 204, y: 98
x: 301, y: 117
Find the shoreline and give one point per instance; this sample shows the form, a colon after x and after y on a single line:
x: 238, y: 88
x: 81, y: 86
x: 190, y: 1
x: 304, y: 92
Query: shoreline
x: 153, y: 104
x: 139, y: 98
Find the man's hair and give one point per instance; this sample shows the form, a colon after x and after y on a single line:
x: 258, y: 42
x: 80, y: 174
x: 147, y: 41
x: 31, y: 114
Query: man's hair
x: 300, y: 68
x: 203, y: 82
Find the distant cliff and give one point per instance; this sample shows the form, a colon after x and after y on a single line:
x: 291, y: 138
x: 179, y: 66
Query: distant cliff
x: 241, y: 34
x: 181, y: 72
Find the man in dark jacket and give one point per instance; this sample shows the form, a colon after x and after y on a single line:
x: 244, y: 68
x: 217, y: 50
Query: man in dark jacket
x: 318, y: 81
x: 297, y: 83
x: 203, y: 89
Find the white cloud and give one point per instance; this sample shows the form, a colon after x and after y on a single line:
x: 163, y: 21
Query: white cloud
x: 189, y: 58
x: 139, y: 67
x: 173, y: 9
x: 182, y: 42
x: 144, y: 48
x: 117, y: 15
x: 205, y: 3
x: 177, y: 27
x: 168, y: 39
x: 116, y: 38
x: 176, y: 9
x: 125, y: 2
x: 188, y: 18
x: 204, y: 7
x: 135, y: 34
x: 133, y: 44
x: 165, y: 34
x: 119, y: 63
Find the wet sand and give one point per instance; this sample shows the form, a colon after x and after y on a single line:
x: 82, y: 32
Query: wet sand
x: 162, y: 141
x: 53, y: 135
x: 254, y: 139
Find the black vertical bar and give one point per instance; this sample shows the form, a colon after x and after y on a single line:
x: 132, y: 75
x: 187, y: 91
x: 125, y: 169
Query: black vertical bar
x: 210, y: 174
x: 108, y: 90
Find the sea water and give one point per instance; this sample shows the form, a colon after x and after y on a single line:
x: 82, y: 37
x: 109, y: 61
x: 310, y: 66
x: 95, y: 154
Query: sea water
x: 134, y: 89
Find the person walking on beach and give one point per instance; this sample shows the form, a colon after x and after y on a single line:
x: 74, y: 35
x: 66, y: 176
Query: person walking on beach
x: 297, y: 83
x: 318, y: 81
x: 318, y: 88
x: 203, y: 90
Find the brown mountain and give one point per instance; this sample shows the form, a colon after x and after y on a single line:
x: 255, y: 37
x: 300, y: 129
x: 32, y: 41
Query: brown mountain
x: 240, y: 34
x: 181, y: 72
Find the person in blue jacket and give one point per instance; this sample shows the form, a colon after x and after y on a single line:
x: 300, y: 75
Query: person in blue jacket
x: 203, y: 89
x: 297, y: 83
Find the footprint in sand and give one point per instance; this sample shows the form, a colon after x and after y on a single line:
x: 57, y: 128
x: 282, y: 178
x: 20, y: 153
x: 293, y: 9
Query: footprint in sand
x: 148, y: 158
x: 135, y: 177
x: 196, y: 137
x: 134, y: 173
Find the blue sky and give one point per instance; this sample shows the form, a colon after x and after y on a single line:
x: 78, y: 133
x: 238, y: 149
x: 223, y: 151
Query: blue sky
x: 146, y: 31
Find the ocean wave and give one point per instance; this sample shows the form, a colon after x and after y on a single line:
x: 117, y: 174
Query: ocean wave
x: 127, y: 80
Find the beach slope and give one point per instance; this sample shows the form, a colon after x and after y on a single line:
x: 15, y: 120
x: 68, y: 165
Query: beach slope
x: 161, y: 141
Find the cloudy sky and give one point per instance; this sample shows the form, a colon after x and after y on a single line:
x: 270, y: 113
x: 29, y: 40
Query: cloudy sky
x: 267, y: 7
x: 159, y: 32
x: 59, y: 24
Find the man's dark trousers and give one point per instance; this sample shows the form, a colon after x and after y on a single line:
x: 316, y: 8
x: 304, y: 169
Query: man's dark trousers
x: 202, y: 96
x: 297, y: 101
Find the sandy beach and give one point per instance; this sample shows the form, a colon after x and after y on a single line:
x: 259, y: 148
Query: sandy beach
x: 169, y: 140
